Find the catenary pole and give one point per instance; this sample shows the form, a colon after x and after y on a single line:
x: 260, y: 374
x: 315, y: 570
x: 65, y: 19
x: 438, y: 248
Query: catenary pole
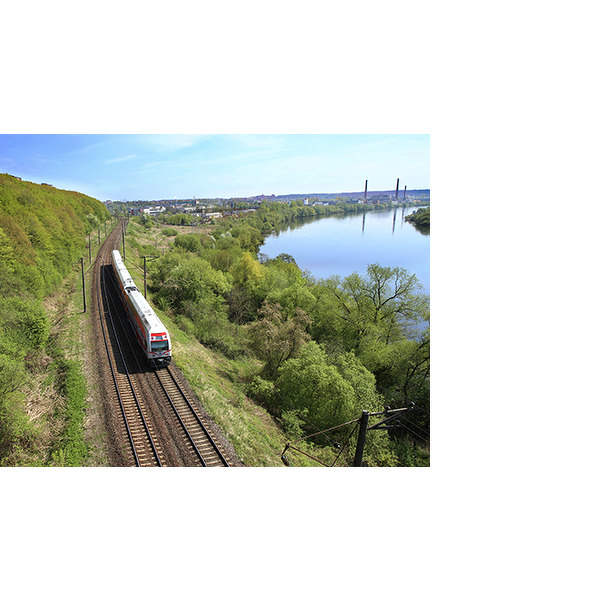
x: 83, y: 285
x: 362, y: 437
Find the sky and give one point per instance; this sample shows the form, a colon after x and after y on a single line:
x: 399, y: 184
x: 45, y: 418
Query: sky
x: 160, y: 166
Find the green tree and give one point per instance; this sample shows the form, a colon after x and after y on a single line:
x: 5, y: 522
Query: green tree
x: 329, y: 390
x: 247, y: 271
x: 188, y: 242
x: 275, y: 338
x: 383, y: 304
x: 188, y: 278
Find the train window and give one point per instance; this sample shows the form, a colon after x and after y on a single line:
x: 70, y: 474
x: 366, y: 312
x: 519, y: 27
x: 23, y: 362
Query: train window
x: 160, y: 346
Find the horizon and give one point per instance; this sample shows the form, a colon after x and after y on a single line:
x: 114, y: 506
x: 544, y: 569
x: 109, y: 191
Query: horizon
x: 306, y: 194
x: 150, y: 168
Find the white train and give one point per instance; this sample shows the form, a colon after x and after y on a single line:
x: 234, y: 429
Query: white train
x: 151, y: 334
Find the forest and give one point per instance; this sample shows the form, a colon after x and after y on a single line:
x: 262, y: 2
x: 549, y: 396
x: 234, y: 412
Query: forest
x: 323, y: 350
x: 43, y: 233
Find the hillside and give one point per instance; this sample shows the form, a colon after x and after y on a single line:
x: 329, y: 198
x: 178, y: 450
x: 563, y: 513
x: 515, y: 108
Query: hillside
x: 43, y: 235
x: 42, y: 232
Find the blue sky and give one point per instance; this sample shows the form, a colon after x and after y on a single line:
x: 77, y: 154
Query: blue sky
x: 153, y: 167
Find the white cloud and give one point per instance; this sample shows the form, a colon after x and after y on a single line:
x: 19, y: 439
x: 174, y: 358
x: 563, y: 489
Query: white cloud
x: 162, y: 143
x: 120, y: 159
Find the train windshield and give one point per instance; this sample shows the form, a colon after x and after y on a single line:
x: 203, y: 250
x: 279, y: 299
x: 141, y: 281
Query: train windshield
x: 160, y: 346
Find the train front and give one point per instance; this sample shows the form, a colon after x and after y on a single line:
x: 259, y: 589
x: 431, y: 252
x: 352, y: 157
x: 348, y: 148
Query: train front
x: 160, y: 349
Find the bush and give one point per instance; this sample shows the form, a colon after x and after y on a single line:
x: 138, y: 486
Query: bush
x: 168, y: 232
x: 293, y: 422
x: 34, y: 326
x: 16, y: 432
x: 261, y: 390
x: 12, y: 373
x: 23, y: 324
x: 189, y: 242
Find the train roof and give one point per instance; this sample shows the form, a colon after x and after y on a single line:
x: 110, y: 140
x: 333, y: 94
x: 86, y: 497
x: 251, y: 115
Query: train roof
x: 146, y: 312
x: 143, y: 309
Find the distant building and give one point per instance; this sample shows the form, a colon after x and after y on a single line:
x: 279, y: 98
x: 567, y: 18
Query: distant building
x: 153, y: 211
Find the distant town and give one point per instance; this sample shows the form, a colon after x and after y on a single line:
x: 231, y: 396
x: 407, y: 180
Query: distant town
x: 210, y: 208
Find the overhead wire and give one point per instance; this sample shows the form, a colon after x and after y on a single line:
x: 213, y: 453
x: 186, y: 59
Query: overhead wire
x: 414, y: 432
x: 289, y: 445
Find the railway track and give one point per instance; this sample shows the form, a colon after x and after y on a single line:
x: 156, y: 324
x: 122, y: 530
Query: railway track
x: 159, y: 425
x: 144, y: 450
x: 196, y: 431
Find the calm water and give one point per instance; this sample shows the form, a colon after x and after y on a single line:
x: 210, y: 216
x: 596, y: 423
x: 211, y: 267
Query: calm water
x: 341, y: 245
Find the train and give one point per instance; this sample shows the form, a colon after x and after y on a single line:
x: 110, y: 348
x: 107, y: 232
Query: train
x: 149, y: 331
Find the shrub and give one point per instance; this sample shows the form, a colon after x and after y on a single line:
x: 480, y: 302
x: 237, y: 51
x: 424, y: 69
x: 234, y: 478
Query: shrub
x: 261, y: 390
x: 12, y: 373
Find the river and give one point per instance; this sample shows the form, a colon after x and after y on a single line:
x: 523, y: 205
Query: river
x: 340, y: 245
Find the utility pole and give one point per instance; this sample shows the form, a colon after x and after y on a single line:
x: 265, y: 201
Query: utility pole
x: 390, y: 422
x: 362, y: 438
x: 90, y: 245
x: 123, y: 235
x: 83, y: 285
x: 144, y: 276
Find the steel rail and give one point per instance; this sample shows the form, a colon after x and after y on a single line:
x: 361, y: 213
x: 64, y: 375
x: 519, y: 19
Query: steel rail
x: 197, y: 417
x: 110, y: 363
x: 177, y: 413
x: 180, y: 418
x: 137, y: 402
x: 195, y: 433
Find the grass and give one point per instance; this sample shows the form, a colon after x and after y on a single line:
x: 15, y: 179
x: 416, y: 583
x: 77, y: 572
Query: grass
x: 73, y: 441
x: 51, y: 404
x: 71, y: 449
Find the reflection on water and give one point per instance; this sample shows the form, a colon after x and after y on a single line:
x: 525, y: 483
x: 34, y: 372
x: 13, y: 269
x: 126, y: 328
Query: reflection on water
x: 342, y: 244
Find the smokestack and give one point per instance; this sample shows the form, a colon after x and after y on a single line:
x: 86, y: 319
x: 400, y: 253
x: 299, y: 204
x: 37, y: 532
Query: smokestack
x: 404, y: 193
x: 366, y: 189
x: 397, y: 184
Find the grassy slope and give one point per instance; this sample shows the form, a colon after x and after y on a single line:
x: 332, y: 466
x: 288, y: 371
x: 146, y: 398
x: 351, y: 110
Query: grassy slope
x: 42, y: 236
